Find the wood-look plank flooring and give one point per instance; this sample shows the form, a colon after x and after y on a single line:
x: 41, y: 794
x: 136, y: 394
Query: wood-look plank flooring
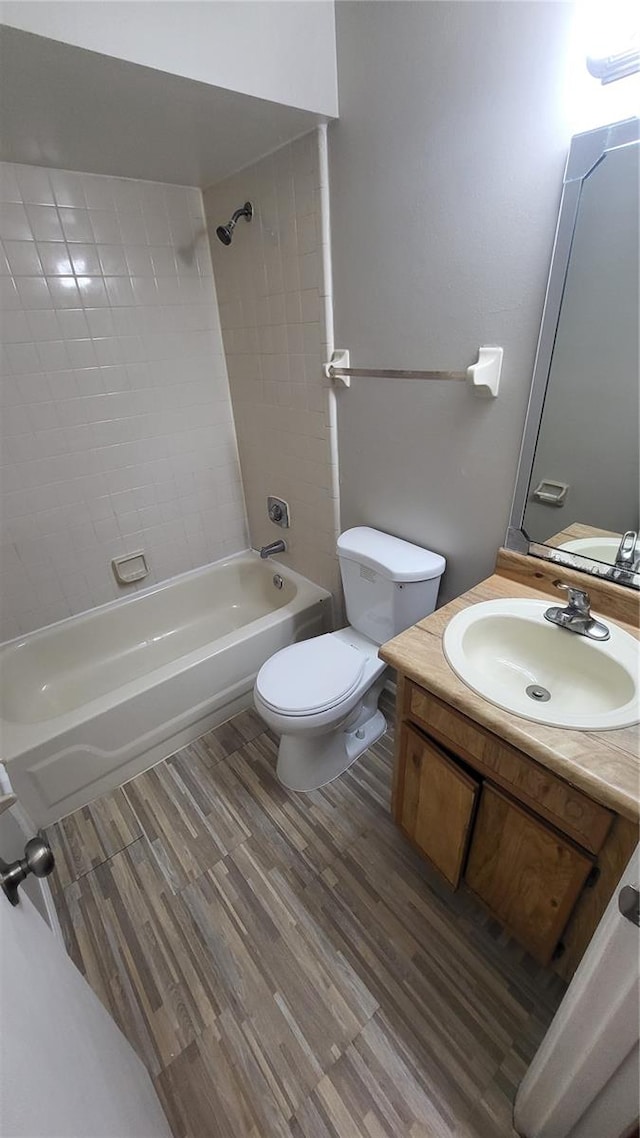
x: 84, y: 840
x: 285, y: 965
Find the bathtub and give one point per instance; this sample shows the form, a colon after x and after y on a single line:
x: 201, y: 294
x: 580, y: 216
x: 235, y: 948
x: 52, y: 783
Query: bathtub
x: 91, y: 701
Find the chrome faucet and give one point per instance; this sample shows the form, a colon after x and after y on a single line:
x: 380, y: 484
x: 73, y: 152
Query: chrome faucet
x: 275, y: 547
x: 626, y: 555
x: 576, y: 617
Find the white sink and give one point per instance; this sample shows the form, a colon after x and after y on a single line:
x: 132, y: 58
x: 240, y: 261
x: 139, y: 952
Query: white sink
x: 507, y: 652
x: 598, y: 548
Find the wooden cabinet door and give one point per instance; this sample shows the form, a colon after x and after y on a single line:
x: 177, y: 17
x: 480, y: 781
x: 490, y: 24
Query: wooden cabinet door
x: 525, y: 872
x: 437, y: 803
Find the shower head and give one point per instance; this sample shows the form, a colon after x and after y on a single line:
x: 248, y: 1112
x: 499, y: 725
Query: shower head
x: 224, y: 233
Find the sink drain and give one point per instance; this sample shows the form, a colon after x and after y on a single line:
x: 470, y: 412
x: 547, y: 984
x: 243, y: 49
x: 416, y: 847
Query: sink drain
x: 540, y: 694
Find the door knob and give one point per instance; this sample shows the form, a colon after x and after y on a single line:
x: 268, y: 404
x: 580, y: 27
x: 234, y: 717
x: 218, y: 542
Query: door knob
x: 38, y: 859
x: 629, y: 904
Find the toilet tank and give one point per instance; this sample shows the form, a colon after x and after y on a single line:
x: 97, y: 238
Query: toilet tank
x: 389, y: 584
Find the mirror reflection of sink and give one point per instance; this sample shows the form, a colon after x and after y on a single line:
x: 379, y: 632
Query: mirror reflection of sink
x: 598, y: 548
x: 508, y: 653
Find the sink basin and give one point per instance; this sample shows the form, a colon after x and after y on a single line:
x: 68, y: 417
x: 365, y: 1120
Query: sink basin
x: 508, y: 653
x: 598, y: 548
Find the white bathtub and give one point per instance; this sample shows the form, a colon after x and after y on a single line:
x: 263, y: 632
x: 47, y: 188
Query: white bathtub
x: 93, y: 700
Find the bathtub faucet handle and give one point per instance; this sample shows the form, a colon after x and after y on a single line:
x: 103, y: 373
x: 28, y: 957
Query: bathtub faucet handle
x: 38, y: 859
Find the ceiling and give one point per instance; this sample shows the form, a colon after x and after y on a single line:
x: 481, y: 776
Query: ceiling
x: 73, y: 109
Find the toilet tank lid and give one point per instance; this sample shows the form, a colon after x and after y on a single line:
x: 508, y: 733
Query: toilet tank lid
x: 396, y: 559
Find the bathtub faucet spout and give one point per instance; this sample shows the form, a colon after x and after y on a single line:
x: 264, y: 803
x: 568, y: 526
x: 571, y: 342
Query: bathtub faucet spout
x: 275, y: 547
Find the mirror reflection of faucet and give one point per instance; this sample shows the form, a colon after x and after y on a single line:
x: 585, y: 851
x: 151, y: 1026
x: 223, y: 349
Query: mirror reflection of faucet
x: 627, y: 556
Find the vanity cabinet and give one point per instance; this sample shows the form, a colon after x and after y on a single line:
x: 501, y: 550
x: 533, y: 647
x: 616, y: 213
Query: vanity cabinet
x: 549, y: 796
x: 527, y: 874
x: 525, y: 841
x: 438, y: 804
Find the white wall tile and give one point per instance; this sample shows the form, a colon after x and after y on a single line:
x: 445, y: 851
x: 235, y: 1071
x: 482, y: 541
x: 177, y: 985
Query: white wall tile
x: 33, y: 292
x: 22, y: 358
x: 93, y: 293
x: 81, y: 353
x: 63, y: 291
x: 9, y: 188
x: 127, y: 193
x: 23, y: 258
x: 99, y: 192
x: 53, y: 355
x: 9, y: 296
x: 44, y: 222
x: 75, y: 224
x: 106, y: 229
x: 117, y: 431
x: 138, y: 261
x: 14, y: 326
x: 42, y: 325
x: 54, y: 257
x: 67, y: 188
x: 100, y: 322
x: 14, y: 223
x: 73, y: 324
x: 112, y: 259
x: 85, y: 259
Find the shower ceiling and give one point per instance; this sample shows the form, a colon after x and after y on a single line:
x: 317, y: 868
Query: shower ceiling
x: 74, y: 109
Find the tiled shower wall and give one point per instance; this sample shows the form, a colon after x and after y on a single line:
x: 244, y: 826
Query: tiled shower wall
x: 118, y: 433
x: 273, y: 291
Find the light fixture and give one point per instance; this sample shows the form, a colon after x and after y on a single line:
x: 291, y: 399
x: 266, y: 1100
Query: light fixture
x: 613, y: 50
x: 611, y: 67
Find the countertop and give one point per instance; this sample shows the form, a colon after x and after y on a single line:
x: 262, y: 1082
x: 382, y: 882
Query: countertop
x: 603, y: 764
x: 577, y: 530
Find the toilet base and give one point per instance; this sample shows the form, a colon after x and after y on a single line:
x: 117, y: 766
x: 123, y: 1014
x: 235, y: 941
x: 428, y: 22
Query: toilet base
x: 308, y: 762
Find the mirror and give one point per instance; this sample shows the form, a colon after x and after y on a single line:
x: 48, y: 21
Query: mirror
x: 578, y: 486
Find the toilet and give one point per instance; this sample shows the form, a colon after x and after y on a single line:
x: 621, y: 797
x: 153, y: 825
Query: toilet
x: 321, y: 695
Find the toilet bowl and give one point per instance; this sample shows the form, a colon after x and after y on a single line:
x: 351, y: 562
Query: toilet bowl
x: 321, y: 695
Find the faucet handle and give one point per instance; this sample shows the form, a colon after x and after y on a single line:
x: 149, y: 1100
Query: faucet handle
x: 578, y: 599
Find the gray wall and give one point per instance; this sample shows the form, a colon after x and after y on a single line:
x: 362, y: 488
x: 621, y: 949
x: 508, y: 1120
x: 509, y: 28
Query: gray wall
x: 284, y: 51
x: 446, y: 169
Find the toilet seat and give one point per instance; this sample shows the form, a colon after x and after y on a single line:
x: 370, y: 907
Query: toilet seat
x: 310, y: 677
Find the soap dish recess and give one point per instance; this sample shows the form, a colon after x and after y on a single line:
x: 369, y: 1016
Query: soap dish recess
x: 131, y: 568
